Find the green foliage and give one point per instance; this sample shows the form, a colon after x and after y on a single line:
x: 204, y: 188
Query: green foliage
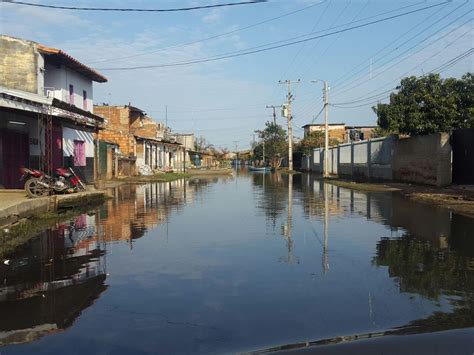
x: 276, y: 146
x: 313, y: 140
x: 429, y: 105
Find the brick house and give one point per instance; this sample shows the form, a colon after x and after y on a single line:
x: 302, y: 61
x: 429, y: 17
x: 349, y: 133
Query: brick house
x: 341, y: 132
x: 141, y: 142
x: 336, y: 130
x: 46, y: 111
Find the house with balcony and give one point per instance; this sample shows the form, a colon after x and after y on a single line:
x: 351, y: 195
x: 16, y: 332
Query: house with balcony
x: 46, y: 111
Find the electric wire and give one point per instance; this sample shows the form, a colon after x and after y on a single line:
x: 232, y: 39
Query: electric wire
x: 411, y: 55
x: 440, y: 68
x: 76, y: 8
x: 208, y: 38
x: 417, y: 66
x: 345, y: 87
x: 337, y: 80
x: 272, y: 47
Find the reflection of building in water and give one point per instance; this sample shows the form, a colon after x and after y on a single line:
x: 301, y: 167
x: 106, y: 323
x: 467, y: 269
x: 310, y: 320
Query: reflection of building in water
x: 313, y: 198
x: 434, y: 227
x: 48, y: 282
x: 423, y: 221
x: 134, y: 209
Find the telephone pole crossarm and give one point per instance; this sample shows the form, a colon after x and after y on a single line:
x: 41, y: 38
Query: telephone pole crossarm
x: 274, y: 112
x: 290, y: 99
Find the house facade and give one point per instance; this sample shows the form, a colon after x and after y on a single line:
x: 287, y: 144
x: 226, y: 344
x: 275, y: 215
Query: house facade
x: 46, y: 106
x: 143, y: 145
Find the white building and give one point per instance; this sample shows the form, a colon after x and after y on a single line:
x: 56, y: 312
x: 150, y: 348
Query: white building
x: 46, y: 105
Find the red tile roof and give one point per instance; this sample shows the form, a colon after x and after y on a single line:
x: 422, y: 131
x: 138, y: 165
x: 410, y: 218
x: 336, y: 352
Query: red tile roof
x: 66, y: 59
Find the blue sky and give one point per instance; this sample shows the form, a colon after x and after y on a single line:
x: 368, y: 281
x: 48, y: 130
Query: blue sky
x: 225, y: 100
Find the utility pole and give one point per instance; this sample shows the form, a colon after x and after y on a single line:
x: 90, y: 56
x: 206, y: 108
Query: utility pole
x: 289, y: 117
x: 274, y: 112
x: 326, y: 125
x: 326, y: 129
x: 236, y: 151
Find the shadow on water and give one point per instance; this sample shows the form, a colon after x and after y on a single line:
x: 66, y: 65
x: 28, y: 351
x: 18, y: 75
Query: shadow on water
x: 306, y: 240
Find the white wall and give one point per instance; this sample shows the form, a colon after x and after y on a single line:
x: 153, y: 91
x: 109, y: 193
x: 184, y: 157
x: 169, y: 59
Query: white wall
x: 60, y: 79
x: 69, y: 135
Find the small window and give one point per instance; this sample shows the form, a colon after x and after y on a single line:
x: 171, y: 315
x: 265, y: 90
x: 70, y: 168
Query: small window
x: 84, y: 99
x: 71, y: 94
x: 79, y: 153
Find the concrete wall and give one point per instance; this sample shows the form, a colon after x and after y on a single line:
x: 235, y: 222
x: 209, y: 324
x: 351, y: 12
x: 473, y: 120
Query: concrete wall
x: 58, y: 78
x: 19, y: 65
x: 422, y: 159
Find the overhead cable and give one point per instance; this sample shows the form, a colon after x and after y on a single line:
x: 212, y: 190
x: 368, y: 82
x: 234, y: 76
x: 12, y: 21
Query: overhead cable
x: 76, y: 8
x: 210, y: 37
x: 248, y: 52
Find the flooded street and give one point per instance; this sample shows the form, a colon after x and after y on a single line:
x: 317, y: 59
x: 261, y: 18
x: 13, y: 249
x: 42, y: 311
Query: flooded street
x: 237, y: 264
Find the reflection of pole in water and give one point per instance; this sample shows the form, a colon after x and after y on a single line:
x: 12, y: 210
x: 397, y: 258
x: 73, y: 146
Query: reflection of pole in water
x: 290, y: 214
x: 326, y: 222
x: 287, y: 230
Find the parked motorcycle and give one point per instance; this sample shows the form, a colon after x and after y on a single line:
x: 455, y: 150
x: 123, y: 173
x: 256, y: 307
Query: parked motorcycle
x: 38, y: 184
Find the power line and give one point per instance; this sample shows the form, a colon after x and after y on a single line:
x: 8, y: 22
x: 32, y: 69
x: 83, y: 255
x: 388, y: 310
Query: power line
x: 333, y: 23
x: 411, y: 55
x: 75, y: 8
x: 211, y: 37
x: 348, y: 81
x: 345, y: 24
x: 248, y: 52
x: 440, y: 68
x: 335, y: 82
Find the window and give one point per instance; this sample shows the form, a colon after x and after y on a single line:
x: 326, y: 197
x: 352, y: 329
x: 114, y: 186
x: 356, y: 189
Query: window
x: 79, y: 153
x: 84, y: 99
x: 71, y: 94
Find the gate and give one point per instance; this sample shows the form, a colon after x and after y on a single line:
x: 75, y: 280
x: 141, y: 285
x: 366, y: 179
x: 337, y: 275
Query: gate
x: 102, y: 159
x: 463, y: 156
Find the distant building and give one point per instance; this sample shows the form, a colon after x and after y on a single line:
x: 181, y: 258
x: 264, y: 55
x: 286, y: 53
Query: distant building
x: 341, y: 132
x: 46, y: 110
x: 359, y: 133
x: 336, y: 130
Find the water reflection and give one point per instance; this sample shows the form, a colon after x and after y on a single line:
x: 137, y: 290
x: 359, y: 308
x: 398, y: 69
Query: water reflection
x: 209, y: 265
x: 48, y: 282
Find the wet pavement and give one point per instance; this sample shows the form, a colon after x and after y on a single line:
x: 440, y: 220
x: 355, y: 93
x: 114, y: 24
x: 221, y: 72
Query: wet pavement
x: 256, y: 262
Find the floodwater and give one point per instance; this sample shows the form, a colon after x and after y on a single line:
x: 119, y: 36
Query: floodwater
x: 254, y: 262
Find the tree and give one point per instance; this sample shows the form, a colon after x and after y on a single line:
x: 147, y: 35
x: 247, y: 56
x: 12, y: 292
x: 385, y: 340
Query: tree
x: 429, y: 105
x: 314, y: 140
x: 201, y: 144
x: 276, y: 145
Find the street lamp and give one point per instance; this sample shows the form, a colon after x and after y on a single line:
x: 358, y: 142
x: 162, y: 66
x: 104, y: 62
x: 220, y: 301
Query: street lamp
x: 326, y: 128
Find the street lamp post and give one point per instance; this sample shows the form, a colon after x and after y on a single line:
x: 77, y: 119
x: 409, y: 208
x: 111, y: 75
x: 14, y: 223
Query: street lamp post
x: 326, y: 126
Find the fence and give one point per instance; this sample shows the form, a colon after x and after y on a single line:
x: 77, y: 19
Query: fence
x: 423, y: 159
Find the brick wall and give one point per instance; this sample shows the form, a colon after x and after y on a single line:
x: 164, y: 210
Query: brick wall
x: 117, y: 129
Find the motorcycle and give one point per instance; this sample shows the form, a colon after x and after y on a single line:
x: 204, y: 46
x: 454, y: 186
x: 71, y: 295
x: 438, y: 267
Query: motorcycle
x: 38, y: 184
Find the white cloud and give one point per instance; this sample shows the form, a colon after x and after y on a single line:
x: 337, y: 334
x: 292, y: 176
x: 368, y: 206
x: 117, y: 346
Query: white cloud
x: 212, y: 17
